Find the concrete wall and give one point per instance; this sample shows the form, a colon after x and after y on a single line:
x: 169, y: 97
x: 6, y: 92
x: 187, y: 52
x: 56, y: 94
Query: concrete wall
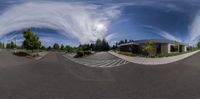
x: 164, y: 48
x: 183, y: 48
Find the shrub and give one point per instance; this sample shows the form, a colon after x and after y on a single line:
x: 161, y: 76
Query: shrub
x: 21, y: 54
x: 82, y: 53
x: 35, y: 55
x: 87, y: 52
x: 79, y: 54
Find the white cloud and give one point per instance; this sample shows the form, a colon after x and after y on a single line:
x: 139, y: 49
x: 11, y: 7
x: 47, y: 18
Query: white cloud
x: 75, y: 19
x: 163, y: 33
x: 194, y: 34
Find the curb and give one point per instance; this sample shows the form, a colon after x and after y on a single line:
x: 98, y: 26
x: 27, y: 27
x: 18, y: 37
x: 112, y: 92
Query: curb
x: 38, y: 58
x: 154, y: 61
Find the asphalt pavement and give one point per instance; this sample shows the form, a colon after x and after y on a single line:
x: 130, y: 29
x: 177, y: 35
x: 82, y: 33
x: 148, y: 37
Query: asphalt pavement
x: 55, y: 77
x: 99, y: 59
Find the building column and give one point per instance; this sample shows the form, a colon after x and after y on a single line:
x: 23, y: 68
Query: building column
x: 169, y: 48
x: 185, y: 48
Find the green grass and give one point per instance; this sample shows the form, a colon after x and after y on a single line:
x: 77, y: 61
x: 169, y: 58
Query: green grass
x: 126, y: 53
x: 154, y: 56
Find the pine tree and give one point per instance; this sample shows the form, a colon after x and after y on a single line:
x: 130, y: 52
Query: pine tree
x: 31, y: 41
x: 49, y: 48
x: 62, y: 47
x: 102, y: 45
x: 56, y: 46
x: 1, y: 45
x: 198, y: 45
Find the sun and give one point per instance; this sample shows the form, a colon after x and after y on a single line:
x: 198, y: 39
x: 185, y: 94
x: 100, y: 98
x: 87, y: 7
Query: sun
x: 100, y: 27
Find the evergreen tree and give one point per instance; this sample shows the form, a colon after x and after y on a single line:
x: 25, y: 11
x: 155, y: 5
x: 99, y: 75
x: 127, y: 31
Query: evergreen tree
x: 92, y: 46
x: 1, y: 45
x: 98, y: 45
x: 125, y: 41
x: 49, y: 48
x: 43, y: 48
x: 62, y: 47
x: 101, y: 45
x: 12, y: 45
x: 8, y: 46
x: 198, y: 45
x: 56, y: 46
x: 31, y: 41
x: 70, y: 49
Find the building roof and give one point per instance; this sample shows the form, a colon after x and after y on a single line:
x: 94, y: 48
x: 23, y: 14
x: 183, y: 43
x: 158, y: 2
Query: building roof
x: 155, y: 41
x: 159, y: 41
x: 130, y: 43
x: 164, y: 41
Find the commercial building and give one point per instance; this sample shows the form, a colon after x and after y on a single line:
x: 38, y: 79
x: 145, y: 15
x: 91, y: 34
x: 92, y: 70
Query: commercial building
x: 161, y: 46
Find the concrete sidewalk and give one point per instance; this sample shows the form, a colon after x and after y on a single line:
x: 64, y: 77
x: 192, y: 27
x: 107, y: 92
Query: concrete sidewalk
x: 154, y: 61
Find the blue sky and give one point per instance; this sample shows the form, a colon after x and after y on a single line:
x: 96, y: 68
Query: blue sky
x: 72, y: 22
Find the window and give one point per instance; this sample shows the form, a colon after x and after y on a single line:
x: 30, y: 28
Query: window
x: 174, y: 48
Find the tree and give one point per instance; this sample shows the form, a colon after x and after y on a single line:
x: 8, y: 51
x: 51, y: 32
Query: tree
x: 150, y: 48
x: 56, y: 46
x: 32, y: 41
x: 198, y: 45
x: 102, y: 45
x: 92, y: 46
x: 1, y: 45
x: 43, y: 48
x: 70, y: 49
x: 84, y: 47
x: 125, y: 41
x: 62, y: 47
x: 98, y: 45
x: 114, y: 47
x: 49, y: 48
x: 10, y: 45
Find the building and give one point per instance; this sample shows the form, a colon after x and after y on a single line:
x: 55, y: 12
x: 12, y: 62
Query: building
x: 161, y: 46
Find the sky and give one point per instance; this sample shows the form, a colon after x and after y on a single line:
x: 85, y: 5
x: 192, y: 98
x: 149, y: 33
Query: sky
x: 74, y: 22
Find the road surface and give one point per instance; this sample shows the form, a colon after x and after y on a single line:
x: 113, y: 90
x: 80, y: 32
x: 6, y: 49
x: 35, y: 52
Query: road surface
x: 55, y: 77
x: 100, y: 59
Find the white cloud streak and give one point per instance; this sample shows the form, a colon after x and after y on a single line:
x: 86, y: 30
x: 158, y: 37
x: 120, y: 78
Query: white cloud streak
x: 77, y: 20
x: 194, y: 34
x: 162, y: 33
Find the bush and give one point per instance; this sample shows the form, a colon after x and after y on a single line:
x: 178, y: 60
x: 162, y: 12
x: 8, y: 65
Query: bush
x: 126, y: 53
x: 35, y: 55
x: 79, y: 54
x: 87, y: 52
x: 21, y: 54
x: 82, y: 53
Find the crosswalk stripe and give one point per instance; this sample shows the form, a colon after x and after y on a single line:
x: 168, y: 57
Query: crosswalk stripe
x: 119, y: 63
x: 97, y: 63
x: 114, y: 63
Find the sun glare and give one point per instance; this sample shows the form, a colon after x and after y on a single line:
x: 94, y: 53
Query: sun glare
x: 100, y: 27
